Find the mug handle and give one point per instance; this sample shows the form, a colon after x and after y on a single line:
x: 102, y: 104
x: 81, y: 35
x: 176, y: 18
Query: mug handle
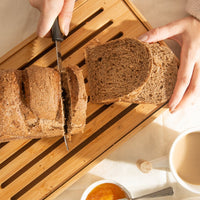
x: 161, y: 163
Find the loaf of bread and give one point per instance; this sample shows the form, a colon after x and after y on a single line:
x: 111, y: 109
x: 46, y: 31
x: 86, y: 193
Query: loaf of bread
x: 31, y: 103
x: 131, y: 71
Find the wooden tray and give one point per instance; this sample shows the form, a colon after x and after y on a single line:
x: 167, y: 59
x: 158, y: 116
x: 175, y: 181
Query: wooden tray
x: 42, y: 168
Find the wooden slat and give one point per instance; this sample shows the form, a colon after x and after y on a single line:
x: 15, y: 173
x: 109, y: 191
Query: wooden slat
x: 39, y: 169
x: 11, y: 147
x: 24, y: 158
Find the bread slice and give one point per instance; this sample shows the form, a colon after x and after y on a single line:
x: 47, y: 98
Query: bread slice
x: 131, y: 71
x: 31, y: 104
x: 42, y: 91
x: 43, y: 97
x: 75, y: 99
x: 116, y: 69
x: 159, y: 87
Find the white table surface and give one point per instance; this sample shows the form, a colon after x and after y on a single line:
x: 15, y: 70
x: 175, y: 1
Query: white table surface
x: 151, y: 142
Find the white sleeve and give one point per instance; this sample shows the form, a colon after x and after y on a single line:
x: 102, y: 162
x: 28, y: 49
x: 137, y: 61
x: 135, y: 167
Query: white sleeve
x: 193, y: 8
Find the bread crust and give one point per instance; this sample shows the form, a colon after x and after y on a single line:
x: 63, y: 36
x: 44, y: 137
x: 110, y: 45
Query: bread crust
x: 73, y: 83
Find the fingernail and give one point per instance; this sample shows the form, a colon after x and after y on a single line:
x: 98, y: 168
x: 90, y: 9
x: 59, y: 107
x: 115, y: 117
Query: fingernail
x: 143, y: 38
x: 172, y: 109
x: 66, y: 30
x: 40, y: 33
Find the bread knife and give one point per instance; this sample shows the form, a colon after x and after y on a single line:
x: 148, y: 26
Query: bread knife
x: 58, y: 37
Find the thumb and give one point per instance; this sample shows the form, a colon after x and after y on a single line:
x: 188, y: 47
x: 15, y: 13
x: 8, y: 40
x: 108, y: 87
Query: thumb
x: 49, y: 11
x: 162, y: 33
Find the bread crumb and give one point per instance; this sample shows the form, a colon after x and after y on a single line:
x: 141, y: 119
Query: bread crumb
x: 144, y: 166
x: 69, y: 137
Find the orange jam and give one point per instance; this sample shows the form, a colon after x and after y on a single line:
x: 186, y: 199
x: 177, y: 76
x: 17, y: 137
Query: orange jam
x: 106, y: 191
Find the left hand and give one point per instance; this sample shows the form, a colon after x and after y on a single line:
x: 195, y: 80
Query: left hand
x: 186, y: 33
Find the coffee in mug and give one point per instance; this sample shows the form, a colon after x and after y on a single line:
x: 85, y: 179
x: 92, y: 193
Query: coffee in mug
x: 186, y: 158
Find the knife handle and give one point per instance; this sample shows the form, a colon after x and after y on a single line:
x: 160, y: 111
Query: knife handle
x: 56, y: 32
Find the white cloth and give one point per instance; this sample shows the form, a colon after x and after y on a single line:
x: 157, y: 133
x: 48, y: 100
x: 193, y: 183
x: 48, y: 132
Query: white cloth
x: 193, y: 8
x: 18, y: 20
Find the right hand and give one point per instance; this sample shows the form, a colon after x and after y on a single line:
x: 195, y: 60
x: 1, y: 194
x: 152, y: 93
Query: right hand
x: 186, y: 32
x: 49, y: 10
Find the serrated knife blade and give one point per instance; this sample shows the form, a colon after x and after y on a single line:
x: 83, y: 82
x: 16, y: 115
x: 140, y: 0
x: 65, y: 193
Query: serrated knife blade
x: 58, y: 37
x: 58, y: 55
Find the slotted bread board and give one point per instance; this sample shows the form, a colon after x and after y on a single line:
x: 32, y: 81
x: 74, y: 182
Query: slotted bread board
x: 42, y: 168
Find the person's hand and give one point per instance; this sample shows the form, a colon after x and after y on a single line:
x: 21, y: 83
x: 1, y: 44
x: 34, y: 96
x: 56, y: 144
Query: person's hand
x: 49, y: 10
x: 187, y: 33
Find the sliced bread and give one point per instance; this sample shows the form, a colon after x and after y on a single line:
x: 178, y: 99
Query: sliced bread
x: 151, y: 80
x: 116, y: 69
x: 159, y: 87
x: 75, y: 99
x: 43, y: 97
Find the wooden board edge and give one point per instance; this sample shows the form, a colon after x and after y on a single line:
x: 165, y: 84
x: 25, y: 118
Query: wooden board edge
x: 136, y: 12
x: 18, y: 47
x: 102, y: 156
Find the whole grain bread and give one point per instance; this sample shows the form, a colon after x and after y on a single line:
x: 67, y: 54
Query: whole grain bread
x: 116, y: 69
x: 159, y: 87
x: 153, y: 76
x: 75, y: 99
x: 42, y: 91
x: 25, y: 111
x: 31, y: 104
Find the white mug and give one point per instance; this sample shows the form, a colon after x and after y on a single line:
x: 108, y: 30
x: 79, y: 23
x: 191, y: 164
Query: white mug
x: 167, y: 162
x: 191, y: 187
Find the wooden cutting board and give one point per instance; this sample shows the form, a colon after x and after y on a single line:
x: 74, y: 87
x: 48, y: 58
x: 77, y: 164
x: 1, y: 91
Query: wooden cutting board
x: 42, y: 168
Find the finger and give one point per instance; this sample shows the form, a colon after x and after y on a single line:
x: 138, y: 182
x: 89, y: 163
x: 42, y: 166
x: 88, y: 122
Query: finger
x: 36, y: 3
x: 187, y: 62
x: 193, y: 91
x: 49, y: 11
x: 162, y: 33
x: 178, y: 39
x: 66, y: 15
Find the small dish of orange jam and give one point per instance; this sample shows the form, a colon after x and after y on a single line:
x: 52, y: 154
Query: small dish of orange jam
x: 105, y: 190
